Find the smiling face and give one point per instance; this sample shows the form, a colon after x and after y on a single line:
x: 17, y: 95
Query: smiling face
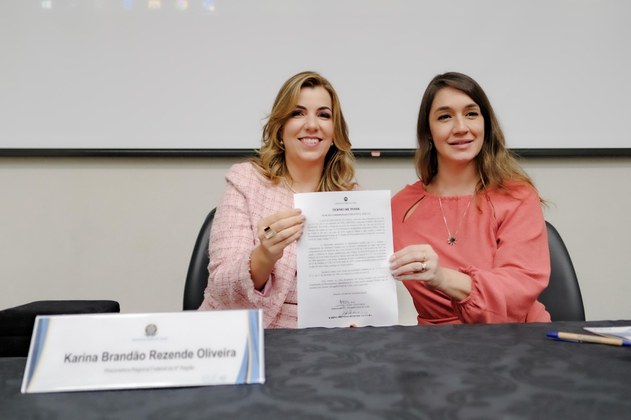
x: 457, y: 127
x: 308, y: 133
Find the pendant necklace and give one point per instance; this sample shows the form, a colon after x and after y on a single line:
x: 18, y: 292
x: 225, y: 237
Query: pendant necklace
x: 451, y: 239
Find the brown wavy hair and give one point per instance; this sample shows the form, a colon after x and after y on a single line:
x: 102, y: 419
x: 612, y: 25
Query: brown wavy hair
x: 338, y: 173
x: 495, y: 163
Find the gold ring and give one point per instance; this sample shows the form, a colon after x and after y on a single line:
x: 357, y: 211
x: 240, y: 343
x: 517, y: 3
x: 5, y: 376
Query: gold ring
x: 268, y: 232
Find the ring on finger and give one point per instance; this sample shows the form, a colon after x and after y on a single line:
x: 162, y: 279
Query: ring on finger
x: 268, y: 232
x: 423, y: 267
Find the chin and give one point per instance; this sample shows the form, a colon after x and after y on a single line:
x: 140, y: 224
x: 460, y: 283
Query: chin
x: 312, y: 158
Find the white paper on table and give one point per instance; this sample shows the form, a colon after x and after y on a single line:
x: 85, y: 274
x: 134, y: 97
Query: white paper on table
x: 615, y: 332
x: 343, y: 270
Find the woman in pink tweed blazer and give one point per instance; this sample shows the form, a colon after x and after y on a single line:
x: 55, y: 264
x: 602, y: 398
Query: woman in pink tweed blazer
x: 305, y: 148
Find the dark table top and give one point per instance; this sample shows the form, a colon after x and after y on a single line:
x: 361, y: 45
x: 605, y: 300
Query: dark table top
x: 507, y: 371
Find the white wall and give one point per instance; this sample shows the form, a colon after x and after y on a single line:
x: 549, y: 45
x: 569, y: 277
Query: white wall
x: 123, y: 228
x: 109, y: 74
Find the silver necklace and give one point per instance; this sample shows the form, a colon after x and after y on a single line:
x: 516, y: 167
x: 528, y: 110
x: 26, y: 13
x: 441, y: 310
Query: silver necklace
x: 451, y: 239
x: 289, y: 186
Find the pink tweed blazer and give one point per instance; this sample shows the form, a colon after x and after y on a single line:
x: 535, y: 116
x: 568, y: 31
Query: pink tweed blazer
x: 249, y: 197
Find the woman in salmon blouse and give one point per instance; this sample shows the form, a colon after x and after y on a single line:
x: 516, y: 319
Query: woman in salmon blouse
x: 470, y: 238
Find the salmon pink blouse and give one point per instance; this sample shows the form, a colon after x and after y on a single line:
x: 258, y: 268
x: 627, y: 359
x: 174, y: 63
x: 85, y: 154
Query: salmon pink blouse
x: 501, y: 243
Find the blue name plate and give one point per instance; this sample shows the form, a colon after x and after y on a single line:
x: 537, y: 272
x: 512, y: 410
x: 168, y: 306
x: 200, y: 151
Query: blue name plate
x: 118, y: 351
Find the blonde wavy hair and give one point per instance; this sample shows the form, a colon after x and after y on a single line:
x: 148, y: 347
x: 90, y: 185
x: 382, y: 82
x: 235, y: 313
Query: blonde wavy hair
x: 339, y: 172
x: 496, y: 164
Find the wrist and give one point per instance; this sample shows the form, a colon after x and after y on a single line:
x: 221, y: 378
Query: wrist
x: 438, y: 281
x: 261, y: 267
x: 453, y: 283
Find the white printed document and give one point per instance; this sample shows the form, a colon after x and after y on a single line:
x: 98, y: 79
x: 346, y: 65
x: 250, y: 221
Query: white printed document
x: 343, y: 270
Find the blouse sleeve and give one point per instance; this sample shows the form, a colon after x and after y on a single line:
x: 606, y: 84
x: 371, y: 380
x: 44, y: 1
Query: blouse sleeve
x: 521, y: 270
x: 232, y: 240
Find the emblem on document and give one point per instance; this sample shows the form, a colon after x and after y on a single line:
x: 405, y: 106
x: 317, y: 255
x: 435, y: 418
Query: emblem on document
x: 151, y: 330
x: 345, y: 198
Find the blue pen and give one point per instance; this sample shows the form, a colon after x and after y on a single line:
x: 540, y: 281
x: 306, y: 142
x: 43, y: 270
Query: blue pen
x: 584, y: 338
